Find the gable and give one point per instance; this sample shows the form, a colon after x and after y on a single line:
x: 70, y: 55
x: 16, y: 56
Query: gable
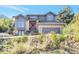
x: 20, y: 19
x: 50, y: 17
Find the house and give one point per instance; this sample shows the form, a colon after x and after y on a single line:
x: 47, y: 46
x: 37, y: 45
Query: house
x: 41, y: 23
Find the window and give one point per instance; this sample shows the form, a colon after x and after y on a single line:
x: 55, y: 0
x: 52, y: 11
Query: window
x: 19, y: 24
x: 20, y: 32
x: 42, y: 18
x: 33, y: 16
x: 49, y: 17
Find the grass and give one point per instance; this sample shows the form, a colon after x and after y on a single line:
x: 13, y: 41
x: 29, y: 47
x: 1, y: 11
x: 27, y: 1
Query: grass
x: 2, y: 52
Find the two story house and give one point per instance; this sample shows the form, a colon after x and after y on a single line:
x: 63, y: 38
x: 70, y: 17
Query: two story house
x: 41, y: 23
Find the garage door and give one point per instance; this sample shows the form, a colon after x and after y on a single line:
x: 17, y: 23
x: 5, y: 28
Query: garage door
x: 48, y: 30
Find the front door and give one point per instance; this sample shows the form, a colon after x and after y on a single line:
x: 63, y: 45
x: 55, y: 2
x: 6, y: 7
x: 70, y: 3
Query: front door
x: 32, y: 27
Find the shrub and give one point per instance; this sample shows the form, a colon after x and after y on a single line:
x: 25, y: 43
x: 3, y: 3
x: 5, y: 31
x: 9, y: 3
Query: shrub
x: 42, y: 37
x: 72, y: 29
x: 74, y: 37
x: 19, y: 48
x: 33, y: 44
x: 55, y: 39
x: 15, y: 43
x: 61, y: 37
x: 7, y: 44
x: 20, y: 39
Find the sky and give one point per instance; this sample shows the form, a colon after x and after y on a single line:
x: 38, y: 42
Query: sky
x: 13, y: 10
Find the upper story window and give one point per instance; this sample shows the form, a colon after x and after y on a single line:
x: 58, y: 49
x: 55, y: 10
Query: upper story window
x: 19, y: 23
x: 50, y: 17
x: 42, y: 18
x: 33, y: 16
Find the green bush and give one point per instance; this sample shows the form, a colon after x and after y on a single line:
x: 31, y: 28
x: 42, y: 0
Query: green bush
x: 19, y: 48
x: 54, y: 38
x: 7, y: 44
x: 42, y: 37
x: 33, y: 44
x: 11, y: 44
x: 72, y: 29
x: 57, y: 39
x: 74, y: 37
x: 20, y: 39
x: 61, y: 37
x: 6, y: 25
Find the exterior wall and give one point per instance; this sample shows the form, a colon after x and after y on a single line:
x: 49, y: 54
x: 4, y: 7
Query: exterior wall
x: 27, y: 25
x: 20, y: 30
x: 47, y: 23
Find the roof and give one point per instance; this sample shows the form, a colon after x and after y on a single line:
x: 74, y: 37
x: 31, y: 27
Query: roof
x: 51, y: 13
x: 20, y: 15
x: 26, y: 17
x: 42, y: 14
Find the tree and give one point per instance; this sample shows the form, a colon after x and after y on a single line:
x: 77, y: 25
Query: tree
x: 72, y: 27
x: 65, y: 15
x: 6, y: 25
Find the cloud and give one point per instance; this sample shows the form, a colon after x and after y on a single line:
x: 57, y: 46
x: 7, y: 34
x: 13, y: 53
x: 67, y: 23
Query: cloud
x: 20, y: 9
x: 26, y: 9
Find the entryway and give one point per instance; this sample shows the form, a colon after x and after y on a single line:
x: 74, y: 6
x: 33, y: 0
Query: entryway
x: 33, y: 27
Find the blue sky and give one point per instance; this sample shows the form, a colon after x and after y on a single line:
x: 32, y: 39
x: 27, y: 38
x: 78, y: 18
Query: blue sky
x: 13, y: 10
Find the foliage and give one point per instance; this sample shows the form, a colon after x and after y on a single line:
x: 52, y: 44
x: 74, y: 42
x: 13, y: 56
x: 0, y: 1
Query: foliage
x: 19, y: 48
x: 7, y: 44
x: 15, y: 43
x: 72, y: 30
x: 57, y: 39
x: 32, y: 45
x: 54, y: 39
x: 6, y: 25
x: 73, y: 26
x: 20, y: 39
x: 42, y: 37
x: 61, y: 37
x: 65, y: 15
